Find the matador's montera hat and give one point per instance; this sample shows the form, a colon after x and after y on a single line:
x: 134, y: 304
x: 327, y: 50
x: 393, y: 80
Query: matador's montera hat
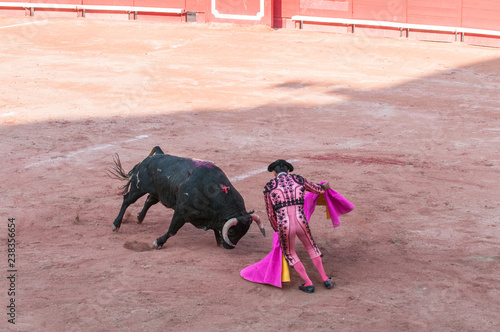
x: 281, y: 163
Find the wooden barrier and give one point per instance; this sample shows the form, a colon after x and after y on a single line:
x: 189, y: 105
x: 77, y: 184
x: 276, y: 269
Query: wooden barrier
x: 470, y: 21
x: 83, y: 8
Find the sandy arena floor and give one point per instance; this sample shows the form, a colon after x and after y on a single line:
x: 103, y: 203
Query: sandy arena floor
x: 407, y: 131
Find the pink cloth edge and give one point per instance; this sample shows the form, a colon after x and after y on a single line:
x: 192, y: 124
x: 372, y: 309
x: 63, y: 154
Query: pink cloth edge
x: 268, y: 270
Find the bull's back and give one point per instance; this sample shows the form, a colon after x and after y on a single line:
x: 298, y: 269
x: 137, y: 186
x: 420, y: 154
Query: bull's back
x: 198, y: 189
x: 213, y: 196
x: 182, y: 178
x: 167, y: 174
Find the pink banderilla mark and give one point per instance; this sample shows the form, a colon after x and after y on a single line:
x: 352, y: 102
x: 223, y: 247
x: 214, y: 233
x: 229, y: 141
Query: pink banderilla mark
x: 224, y: 188
x: 200, y: 163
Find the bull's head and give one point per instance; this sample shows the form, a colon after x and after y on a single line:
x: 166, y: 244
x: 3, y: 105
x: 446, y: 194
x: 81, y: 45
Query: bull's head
x: 234, y: 229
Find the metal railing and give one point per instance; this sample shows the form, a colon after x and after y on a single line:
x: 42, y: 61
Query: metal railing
x: 396, y: 25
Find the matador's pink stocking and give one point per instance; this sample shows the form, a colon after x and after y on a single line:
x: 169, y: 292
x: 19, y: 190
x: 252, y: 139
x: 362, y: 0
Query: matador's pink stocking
x: 299, y: 267
x: 319, y: 265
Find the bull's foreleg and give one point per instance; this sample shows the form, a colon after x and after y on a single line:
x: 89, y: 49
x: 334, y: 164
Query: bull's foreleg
x: 150, y: 201
x: 218, y: 237
x: 128, y: 198
x: 176, y: 224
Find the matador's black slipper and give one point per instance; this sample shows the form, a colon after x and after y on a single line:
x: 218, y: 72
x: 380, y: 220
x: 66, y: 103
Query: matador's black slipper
x: 329, y: 283
x: 307, y: 289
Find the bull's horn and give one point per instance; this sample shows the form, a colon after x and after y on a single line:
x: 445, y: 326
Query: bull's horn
x: 230, y: 223
x: 259, y: 223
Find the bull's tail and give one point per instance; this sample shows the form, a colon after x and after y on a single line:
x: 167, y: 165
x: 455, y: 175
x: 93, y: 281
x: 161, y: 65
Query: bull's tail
x: 117, y: 172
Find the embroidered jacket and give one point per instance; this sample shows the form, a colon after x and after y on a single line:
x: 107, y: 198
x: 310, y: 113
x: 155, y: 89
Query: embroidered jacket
x: 287, y: 190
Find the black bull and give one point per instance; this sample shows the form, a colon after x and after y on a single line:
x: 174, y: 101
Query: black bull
x: 198, y: 191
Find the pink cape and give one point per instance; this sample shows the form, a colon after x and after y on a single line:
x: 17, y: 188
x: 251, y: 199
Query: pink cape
x: 268, y: 270
x: 336, y: 204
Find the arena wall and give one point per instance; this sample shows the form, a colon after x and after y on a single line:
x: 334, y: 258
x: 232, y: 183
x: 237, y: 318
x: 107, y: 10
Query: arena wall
x: 462, y: 14
x: 471, y: 14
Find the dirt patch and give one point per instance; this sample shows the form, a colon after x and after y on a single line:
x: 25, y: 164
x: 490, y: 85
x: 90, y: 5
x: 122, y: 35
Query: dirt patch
x: 137, y: 246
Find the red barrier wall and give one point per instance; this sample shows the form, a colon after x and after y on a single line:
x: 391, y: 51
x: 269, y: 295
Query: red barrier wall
x: 483, y: 14
x: 241, y: 12
x: 156, y: 3
x: 341, y: 8
x: 391, y: 11
x: 69, y: 2
x: 478, y: 14
x: 434, y: 12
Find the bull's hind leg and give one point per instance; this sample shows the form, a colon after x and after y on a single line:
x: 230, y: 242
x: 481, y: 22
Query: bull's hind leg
x: 128, y: 198
x: 176, y: 224
x: 150, y: 201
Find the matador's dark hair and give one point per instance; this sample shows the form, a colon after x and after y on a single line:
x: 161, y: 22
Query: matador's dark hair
x: 279, y: 166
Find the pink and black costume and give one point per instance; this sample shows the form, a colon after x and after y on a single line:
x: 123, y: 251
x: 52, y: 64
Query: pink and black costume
x: 284, y: 197
x: 269, y: 269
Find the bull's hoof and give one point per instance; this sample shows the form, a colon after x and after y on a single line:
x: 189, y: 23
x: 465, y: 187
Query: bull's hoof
x: 114, y: 228
x: 139, y: 219
x: 156, y: 246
